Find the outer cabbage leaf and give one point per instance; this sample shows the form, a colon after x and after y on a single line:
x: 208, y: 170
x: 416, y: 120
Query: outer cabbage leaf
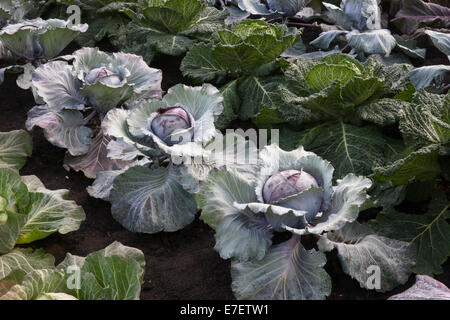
x: 421, y: 165
x: 95, y: 158
x: 359, y: 248
x: 32, y: 211
x: 429, y: 232
x: 240, y: 234
x: 246, y: 47
x: 170, y: 27
x: 37, y: 38
x: 15, y: 147
x: 415, y: 14
x: 372, y: 42
x: 151, y: 200
x: 19, y: 262
x: 427, y: 120
x: 425, y: 288
x: 349, y: 148
x: 113, y: 273
x: 427, y: 76
x: 288, y: 272
x: 64, y: 129
x: 347, y: 200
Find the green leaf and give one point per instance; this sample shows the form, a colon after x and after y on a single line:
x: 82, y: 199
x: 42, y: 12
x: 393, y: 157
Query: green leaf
x: 114, y: 273
x: 427, y: 120
x: 348, y: 148
x: 288, y: 272
x: 430, y: 233
x: 25, y: 261
x: 33, y: 212
x: 420, y: 165
x: 15, y: 147
x: 36, y: 283
x: 231, y: 103
x: 257, y: 93
x: 359, y: 248
x: 382, y: 112
x: 48, y: 212
x: 200, y: 64
x: 322, y: 76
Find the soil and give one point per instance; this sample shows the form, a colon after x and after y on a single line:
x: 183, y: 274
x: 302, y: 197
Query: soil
x: 179, y: 265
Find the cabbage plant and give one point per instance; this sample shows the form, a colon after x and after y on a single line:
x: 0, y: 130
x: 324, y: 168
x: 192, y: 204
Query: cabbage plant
x: 29, y: 43
x: 341, y: 107
x: 28, y: 210
x: 165, y: 135
x: 248, y: 54
x: 76, y: 94
x: 245, y: 49
x: 292, y: 194
x: 360, y: 24
x: 32, y: 275
x: 168, y: 26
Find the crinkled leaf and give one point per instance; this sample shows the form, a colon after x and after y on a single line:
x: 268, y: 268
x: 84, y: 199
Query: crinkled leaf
x: 427, y: 120
x: 347, y: 147
x: 420, y: 165
x: 382, y: 112
x: 256, y: 93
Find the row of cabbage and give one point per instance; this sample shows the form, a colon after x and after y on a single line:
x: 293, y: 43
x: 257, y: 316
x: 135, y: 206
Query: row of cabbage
x: 382, y: 126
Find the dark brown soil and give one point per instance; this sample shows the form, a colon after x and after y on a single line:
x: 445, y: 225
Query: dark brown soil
x: 180, y: 265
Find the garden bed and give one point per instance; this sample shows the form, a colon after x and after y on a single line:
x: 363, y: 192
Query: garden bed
x: 179, y: 265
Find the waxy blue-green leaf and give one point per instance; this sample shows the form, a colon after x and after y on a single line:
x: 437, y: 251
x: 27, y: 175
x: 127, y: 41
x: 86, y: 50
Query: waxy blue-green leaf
x: 64, y: 129
x: 240, y: 234
x: 151, y: 200
x: 346, y: 201
x: 287, y: 272
x: 38, y: 38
